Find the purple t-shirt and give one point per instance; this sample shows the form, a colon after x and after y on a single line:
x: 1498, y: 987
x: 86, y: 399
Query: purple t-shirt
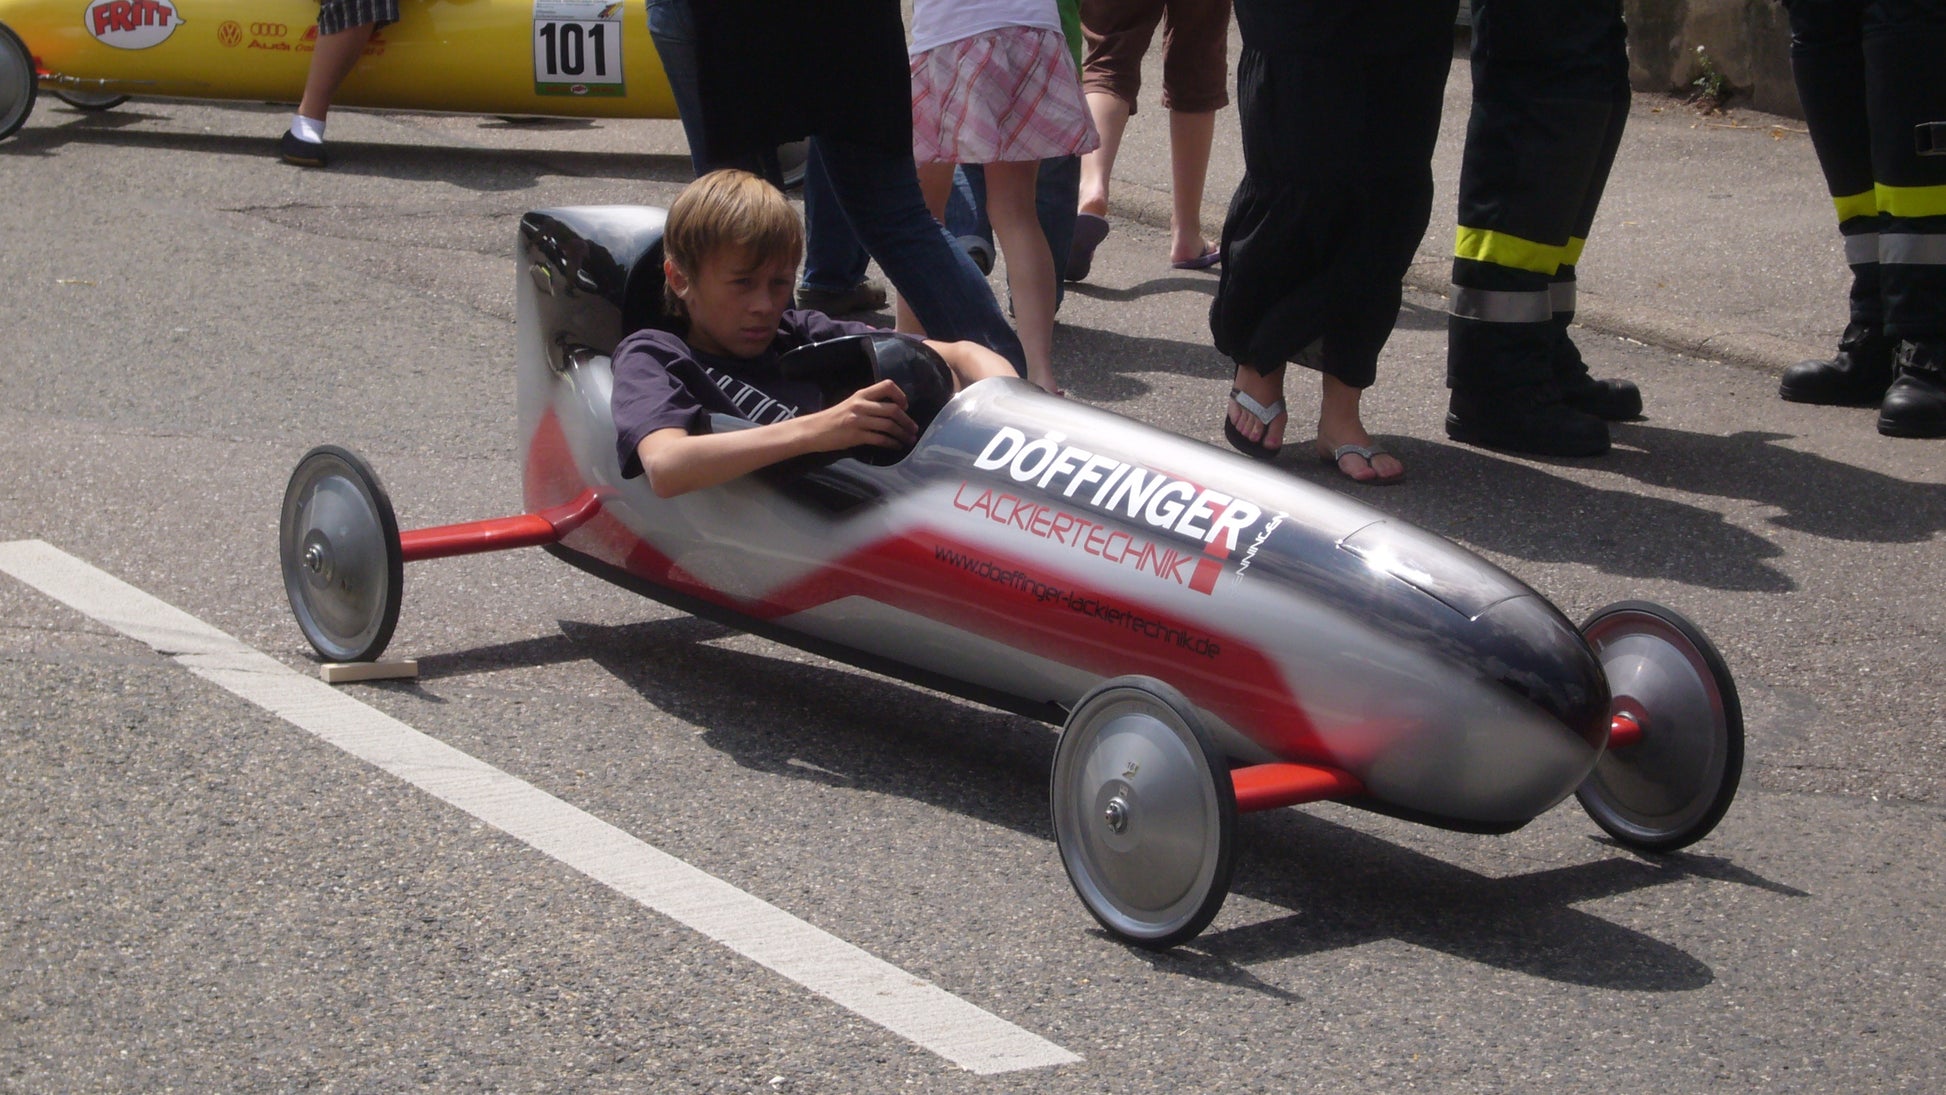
x: 662, y: 382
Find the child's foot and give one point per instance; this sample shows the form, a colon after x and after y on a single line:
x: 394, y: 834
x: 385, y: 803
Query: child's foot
x: 1201, y: 254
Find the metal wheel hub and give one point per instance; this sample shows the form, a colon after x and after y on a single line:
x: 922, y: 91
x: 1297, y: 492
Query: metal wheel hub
x: 1140, y: 813
x: 341, y: 556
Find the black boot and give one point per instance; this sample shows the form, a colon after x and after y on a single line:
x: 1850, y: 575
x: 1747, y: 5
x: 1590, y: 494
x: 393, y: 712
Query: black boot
x: 1856, y: 376
x: 1612, y: 399
x: 1915, y: 405
x: 1533, y: 419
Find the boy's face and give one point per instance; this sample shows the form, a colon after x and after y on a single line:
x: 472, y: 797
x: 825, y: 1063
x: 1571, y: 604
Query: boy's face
x: 734, y: 301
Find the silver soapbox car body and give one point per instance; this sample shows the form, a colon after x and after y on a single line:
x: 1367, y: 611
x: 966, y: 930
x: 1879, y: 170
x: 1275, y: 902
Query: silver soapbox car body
x: 1212, y: 634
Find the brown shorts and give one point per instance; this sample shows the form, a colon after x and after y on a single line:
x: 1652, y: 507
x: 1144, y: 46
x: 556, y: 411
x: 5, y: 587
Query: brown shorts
x: 340, y: 15
x: 1195, y: 50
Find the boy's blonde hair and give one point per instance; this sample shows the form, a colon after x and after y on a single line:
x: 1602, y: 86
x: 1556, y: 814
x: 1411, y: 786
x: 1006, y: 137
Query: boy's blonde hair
x: 729, y: 210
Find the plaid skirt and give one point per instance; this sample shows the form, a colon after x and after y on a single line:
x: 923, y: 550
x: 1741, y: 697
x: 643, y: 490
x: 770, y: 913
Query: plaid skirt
x: 341, y: 15
x: 1007, y: 95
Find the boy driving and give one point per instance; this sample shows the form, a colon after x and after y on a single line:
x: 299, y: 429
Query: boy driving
x: 732, y: 244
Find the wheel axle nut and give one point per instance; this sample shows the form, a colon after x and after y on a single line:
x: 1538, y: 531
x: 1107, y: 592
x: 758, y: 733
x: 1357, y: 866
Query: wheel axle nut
x: 1116, y: 814
x: 314, y: 558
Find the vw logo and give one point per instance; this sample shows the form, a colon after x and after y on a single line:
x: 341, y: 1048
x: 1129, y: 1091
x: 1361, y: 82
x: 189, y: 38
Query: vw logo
x: 229, y: 32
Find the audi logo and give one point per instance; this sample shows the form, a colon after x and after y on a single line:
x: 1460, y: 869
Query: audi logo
x: 269, y: 30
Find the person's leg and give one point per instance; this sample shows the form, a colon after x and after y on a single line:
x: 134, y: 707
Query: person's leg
x: 1541, y: 105
x: 336, y: 54
x: 1903, y: 45
x: 1056, y: 201
x: 835, y: 261
x: 1030, y: 265
x: 1828, y: 69
x: 333, y: 59
x: 1396, y: 97
x: 673, y: 30
x: 936, y: 185
x: 946, y: 293
x: 1195, y: 85
x: 1190, y: 138
x: 966, y: 215
x: 1111, y: 119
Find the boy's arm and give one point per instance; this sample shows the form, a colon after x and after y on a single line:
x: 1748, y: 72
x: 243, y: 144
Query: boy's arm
x: 677, y: 461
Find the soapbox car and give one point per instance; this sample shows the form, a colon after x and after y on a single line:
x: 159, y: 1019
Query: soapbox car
x: 1212, y: 635
x: 569, y: 58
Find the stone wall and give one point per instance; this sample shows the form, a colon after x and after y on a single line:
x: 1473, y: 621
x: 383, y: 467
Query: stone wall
x: 1746, y: 42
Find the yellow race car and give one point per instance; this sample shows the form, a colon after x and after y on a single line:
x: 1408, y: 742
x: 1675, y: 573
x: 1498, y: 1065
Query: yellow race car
x: 565, y: 58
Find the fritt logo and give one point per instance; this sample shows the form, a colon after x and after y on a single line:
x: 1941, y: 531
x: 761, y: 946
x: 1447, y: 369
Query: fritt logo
x: 269, y: 30
x: 229, y: 32
x: 131, y: 24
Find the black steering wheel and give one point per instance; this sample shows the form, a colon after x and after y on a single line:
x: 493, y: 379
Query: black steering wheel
x: 841, y: 366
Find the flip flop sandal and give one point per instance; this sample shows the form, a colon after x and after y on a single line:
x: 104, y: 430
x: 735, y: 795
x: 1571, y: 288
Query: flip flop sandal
x: 1203, y: 261
x: 1089, y: 230
x: 1368, y: 454
x: 1255, y: 450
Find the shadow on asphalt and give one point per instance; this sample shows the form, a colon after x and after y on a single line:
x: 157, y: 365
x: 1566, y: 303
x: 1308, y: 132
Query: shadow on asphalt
x: 487, y: 170
x: 1344, y: 887
x: 1822, y: 497
x: 1515, y: 508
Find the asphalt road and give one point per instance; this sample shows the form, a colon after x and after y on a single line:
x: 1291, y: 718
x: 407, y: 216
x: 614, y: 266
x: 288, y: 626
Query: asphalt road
x: 196, y: 895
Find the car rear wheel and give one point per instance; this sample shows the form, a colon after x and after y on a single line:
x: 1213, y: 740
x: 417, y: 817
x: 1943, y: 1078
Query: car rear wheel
x: 18, y: 82
x: 86, y: 100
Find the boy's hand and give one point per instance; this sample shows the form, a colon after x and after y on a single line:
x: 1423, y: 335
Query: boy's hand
x: 871, y: 416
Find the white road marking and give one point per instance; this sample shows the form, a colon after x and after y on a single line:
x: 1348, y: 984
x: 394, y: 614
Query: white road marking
x: 908, y: 1006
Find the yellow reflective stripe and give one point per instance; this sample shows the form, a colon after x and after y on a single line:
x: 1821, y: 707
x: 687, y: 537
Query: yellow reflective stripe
x: 1855, y: 205
x: 1912, y: 201
x: 1500, y: 249
x: 1571, y: 254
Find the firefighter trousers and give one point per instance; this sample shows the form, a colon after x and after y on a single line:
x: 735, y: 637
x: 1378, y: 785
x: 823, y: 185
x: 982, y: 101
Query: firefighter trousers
x: 1550, y: 99
x: 1868, y: 75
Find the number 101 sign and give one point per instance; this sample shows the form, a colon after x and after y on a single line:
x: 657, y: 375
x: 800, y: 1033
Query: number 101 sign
x: 578, y: 47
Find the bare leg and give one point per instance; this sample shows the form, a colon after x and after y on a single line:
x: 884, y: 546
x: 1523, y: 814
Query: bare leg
x: 1111, y: 118
x: 331, y: 62
x: 1190, y: 137
x: 1265, y: 390
x: 1339, y: 424
x: 936, y: 183
x: 1030, y: 265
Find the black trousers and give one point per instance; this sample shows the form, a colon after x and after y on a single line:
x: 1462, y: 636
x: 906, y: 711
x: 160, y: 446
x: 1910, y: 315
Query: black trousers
x: 1550, y: 100
x: 1868, y: 72
x: 1339, y: 104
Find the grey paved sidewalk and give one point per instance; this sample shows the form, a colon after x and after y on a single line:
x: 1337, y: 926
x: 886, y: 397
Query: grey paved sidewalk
x: 1715, y: 238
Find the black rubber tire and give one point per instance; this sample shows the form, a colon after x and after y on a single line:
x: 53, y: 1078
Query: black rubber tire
x: 81, y: 100
x: 1670, y: 789
x: 1144, y: 812
x: 338, y: 543
x: 19, y: 84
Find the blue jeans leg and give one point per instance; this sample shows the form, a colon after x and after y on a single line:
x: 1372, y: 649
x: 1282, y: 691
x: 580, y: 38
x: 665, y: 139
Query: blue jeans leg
x: 673, y: 30
x: 966, y: 206
x: 834, y: 259
x: 879, y: 190
x: 1057, y: 194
